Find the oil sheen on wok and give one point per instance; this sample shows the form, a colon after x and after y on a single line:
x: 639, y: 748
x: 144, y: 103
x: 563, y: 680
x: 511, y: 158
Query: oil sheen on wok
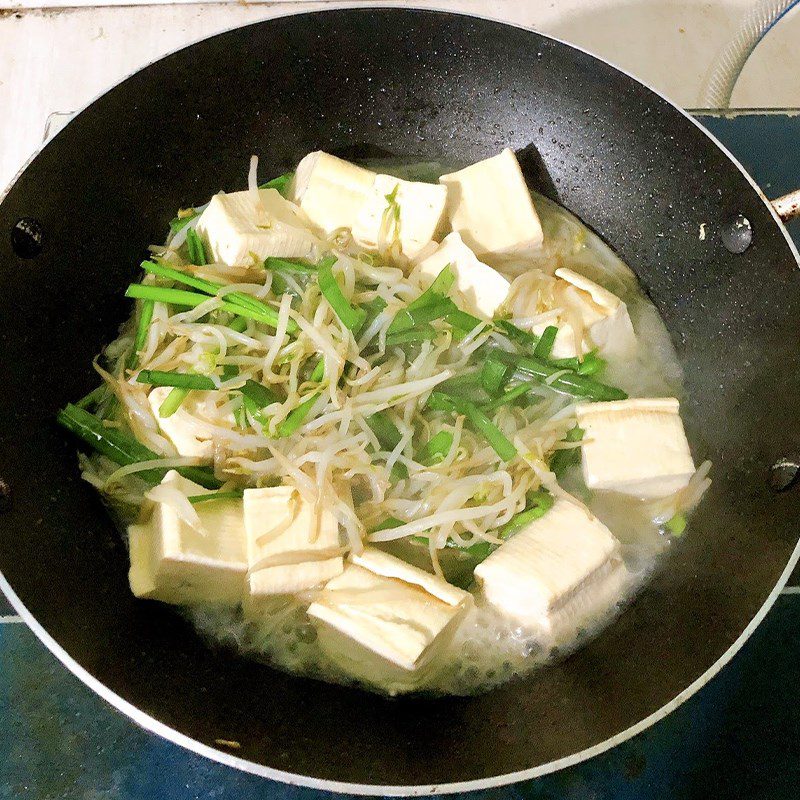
x: 413, y: 430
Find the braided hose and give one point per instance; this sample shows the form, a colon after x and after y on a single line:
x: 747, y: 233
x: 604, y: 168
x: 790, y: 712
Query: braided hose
x: 730, y: 60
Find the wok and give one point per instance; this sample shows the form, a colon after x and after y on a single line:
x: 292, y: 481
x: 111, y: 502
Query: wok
x: 422, y: 85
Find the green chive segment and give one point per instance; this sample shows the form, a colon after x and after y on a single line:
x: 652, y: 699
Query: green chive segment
x: 352, y: 318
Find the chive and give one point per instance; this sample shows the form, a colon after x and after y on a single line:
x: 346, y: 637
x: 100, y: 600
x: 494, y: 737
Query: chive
x: 239, y: 300
x: 238, y: 324
x: 438, y: 401
x: 493, y: 375
x: 179, y: 223
x: 197, y: 252
x: 399, y: 471
x: 353, y: 318
x: 480, y: 550
x: 385, y: 430
x: 562, y: 459
x: 179, y: 297
x: 517, y: 335
x: 318, y: 372
x: 539, y: 503
x: 408, y: 318
x: 259, y: 394
x: 123, y: 449
x: 280, y: 184
x: 413, y: 336
x: 591, y: 364
x: 172, y: 402
x: 546, y: 342
x: 461, y: 321
x: 256, y: 411
x: 569, y: 383
x: 289, y: 265
x: 181, y: 380
x: 441, y: 285
x: 295, y: 418
x: 677, y: 524
x: 94, y: 398
x: 142, y: 329
x: 228, y: 372
x: 389, y: 522
x: 435, y: 449
x: 520, y: 390
x: 204, y: 498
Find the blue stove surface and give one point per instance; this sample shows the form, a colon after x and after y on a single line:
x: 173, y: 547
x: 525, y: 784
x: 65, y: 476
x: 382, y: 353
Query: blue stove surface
x: 739, y: 737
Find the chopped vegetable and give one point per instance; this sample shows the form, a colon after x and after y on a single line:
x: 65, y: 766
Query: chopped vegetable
x: 289, y: 265
x: 123, y: 449
x: 142, y: 329
x: 435, y: 449
x: 180, y: 222
x: 385, y: 430
x: 197, y: 251
x: 414, y: 336
x: 352, y: 318
x: 280, y: 184
x: 205, y: 498
x: 389, y: 522
x: 172, y: 402
x: 94, y: 397
x: 180, y: 379
x: 520, y: 337
x: 493, y: 375
x: 545, y: 344
x: 319, y: 371
x: 537, y: 505
x: 676, y: 525
x: 562, y: 459
x: 515, y: 393
x: 296, y: 417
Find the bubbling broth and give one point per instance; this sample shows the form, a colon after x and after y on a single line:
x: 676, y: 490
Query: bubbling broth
x: 373, y: 452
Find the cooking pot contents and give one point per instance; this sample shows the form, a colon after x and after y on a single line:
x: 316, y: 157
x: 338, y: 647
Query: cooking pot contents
x: 390, y: 427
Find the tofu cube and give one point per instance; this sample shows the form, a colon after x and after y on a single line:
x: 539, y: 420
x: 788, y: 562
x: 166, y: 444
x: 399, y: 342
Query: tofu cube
x: 483, y: 288
x: 383, y: 619
x: 240, y: 231
x: 635, y: 447
x: 420, y: 209
x: 538, y: 571
x: 174, y: 563
x: 289, y: 547
x: 330, y: 191
x: 490, y: 205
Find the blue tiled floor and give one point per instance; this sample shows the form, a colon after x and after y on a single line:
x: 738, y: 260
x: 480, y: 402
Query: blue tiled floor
x: 737, y: 738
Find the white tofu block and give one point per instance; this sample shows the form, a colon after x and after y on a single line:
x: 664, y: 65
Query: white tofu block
x: 237, y: 230
x: 174, y: 563
x: 483, y: 288
x: 533, y: 575
x: 289, y: 547
x: 421, y: 213
x: 635, y: 447
x: 330, y: 190
x: 181, y: 427
x: 588, y: 316
x: 489, y: 204
x: 383, y: 605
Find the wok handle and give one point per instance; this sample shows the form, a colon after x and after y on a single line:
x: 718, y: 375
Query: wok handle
x: 788, y: 206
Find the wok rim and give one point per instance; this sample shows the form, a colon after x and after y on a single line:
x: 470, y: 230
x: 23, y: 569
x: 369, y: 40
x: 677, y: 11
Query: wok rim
x: 155, y: 726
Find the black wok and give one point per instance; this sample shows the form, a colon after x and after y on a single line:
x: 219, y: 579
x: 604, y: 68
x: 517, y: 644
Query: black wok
x: 424, y: 85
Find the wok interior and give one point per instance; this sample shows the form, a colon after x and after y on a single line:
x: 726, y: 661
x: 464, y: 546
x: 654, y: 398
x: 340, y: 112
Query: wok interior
x: 431, y: 86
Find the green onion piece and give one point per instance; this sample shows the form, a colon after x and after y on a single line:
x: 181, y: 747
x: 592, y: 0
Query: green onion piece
x: 123, y: 449
x: 228, y: 371
x: 480, y: 550
x: 385, y: 430
x: 462, y: 322
x: 259, y: 394
x: 197, y: 252
x: 441, y: 285
x: 546, y: 342
x: 520, y: 390
x: 493, y: 375
x: 280, y: 184
x: 238, y: 324
x: 538, y: 504
x: 562, y: 459
x: 435, y: 449
x: 676, y: 525
x: 256, y: 411
x: 94, y: 398
x: 413, y: 336
x: 517, y: 335
x: 353, y: 318
x: 389, y: 522
x: 180, y: 379
x: 296, y: 417
x: 179, y: 223
x: 318, y: 372
x: 204, y: 498
x: 289, y: 265
x: 179, y: 297
x: 414, y: 317
x: 172, y: 402
x: 591, y: 364
x: 372, y: 308
x: 399, y: 471
x: 438, y: 401
x: 234, y: 302
x: 569, y: 382
x: 142, y: 329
